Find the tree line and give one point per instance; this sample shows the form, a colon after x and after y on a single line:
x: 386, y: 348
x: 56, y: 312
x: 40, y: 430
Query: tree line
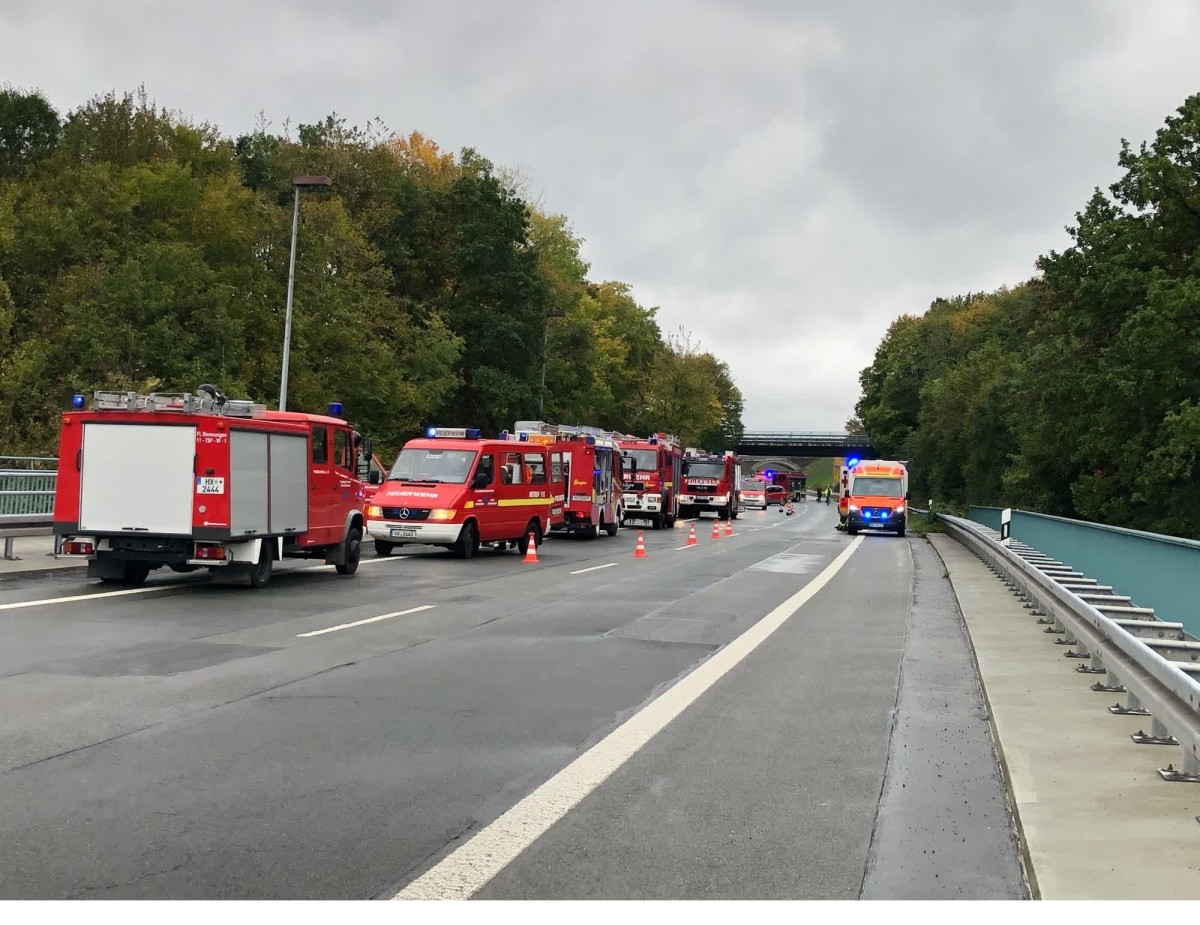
x: 142, y: 250
x: 1077, y: 392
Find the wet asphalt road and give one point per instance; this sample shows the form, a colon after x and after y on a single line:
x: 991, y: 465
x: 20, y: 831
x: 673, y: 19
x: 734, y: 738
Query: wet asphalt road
x: 189, y: 742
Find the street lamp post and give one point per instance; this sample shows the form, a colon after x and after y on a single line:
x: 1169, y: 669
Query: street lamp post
x: 297, y: 183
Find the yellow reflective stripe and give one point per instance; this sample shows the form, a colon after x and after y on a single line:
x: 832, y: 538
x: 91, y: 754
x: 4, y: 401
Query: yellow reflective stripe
x: 524, y: 502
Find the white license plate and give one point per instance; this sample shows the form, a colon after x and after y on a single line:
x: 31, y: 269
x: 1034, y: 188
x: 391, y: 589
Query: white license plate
x: 401, y: 533
x: 207, y: 485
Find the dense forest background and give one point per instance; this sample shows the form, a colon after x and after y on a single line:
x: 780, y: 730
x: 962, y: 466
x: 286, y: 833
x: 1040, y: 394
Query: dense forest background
x: 1077, y: 392
x: 139, y: 250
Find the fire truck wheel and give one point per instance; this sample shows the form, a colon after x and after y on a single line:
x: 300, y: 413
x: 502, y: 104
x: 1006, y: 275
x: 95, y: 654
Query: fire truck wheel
x: 468, y: 541
x: 384, y: 548
x: 723, y: 515
x: 260, y: 571
x: 734, y: 511
x: 523, y: 542
x: 353, y: 552
x: 134, y: 573
x: 612, y: 528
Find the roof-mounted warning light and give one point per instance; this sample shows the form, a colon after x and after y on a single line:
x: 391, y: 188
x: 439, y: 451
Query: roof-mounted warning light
x: 79, y: 402
x: 335, y: 409
x: 459, y: 433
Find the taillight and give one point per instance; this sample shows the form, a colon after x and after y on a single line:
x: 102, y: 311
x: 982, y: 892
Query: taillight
x: 209, y: 551
x: 78, y: 548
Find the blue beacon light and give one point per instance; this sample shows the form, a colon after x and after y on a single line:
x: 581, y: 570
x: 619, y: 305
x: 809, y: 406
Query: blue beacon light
x: 79, y: 402
x: 335, y: 409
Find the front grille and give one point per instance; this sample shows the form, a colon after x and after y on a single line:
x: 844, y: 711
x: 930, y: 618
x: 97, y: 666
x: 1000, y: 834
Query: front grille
x: 878, y: 513
x: 414, y: 513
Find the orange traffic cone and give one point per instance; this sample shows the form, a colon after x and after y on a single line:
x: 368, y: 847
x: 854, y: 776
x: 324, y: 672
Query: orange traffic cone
x: 531, y: 550
x: 729, y: 528
x: 716, y: 530
x: 692, y: 536
x: 639, y: 551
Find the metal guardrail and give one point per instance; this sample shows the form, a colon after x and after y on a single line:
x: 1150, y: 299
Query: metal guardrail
x: 27, y: 486
x: 1156, y: 570
x: 1069, y: 603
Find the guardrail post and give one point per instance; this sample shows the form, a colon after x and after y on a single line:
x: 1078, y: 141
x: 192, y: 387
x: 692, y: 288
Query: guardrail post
x: 8, y: 549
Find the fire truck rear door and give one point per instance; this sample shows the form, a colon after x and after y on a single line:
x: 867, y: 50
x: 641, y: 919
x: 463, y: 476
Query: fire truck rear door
x: 138, y: 478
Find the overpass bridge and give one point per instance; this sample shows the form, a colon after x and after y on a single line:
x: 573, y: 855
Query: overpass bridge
x: 804, y: 444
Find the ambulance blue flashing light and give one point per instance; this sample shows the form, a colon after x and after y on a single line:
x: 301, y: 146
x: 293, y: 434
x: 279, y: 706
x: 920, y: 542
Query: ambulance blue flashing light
x: 852, y: 462
x: 79, y: 402
x: 335, y: 409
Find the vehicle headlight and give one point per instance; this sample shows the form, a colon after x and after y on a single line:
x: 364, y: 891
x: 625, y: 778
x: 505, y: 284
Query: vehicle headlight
x: 854, y: 507
x: 899, y: 508
x: 440, y: 513
x: 374, y: 510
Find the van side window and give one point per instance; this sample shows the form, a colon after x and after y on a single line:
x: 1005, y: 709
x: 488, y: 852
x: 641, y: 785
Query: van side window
x: 341, y: 449
x: 486, y: 467
x: 511, y: 473
x: 556, y: 468
x: 320, y: 444
x: 535, y: 466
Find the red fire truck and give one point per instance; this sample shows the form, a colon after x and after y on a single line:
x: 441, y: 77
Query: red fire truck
x: 711, y: 483
x: 202, y: 481
x: 591, y: 499
x: 794, y: 484
x: 653, y: 472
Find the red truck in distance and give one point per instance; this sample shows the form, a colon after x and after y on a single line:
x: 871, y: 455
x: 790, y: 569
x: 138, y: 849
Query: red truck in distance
x: 711, y: 483
x: 653, y: 474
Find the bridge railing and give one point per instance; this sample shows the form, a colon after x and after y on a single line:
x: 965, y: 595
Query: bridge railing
x: 1158, y: 571
x: 27, y: 486
x: 1154, y: 668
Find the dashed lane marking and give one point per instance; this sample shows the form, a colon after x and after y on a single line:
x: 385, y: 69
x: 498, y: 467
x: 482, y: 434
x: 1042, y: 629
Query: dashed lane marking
x: 466, y: 870
x: 594, y: 568
x: 385, y: 616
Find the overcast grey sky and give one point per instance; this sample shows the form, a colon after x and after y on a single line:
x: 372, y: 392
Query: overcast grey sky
x: 782, y: 178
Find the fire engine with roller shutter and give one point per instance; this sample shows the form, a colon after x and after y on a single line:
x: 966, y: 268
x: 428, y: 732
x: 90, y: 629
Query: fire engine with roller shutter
x: 193, y: 481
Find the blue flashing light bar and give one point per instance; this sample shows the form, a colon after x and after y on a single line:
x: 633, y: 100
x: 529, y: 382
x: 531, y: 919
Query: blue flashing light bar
x: 852, y: 462
x: 467, y: 433
x: 430, y: 432
x: 591, y: 441
x: 523, y: 437
x: 79, y: 402
x: 335, y: 409
x: 503, y: 435
x: 654, y: 441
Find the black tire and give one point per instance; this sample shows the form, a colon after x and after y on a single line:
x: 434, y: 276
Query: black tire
x: 134, y: 573
x: 851, y: 529
x: 384, y: 548
x: 723, y: 514
x: 468, y: 541
x: 353, y: 552
x: 668, y: 519
x: 900, y: 532
x: 657, y: 521
x: 591, y: 531
x: 733, y: 511
x: 612, y: 528
x: 523, y: 542
x: 260, y: 571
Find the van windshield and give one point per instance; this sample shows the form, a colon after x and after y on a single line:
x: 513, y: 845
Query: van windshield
x: 753, y: 485
x: 449, y: 467
x: 876, y: 487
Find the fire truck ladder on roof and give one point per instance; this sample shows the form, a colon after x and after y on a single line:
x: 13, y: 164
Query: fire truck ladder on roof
x: 180, y: 402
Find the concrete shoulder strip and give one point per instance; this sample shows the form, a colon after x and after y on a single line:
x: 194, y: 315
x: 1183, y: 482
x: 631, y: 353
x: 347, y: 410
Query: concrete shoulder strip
x: 1096, y: 820
x: 464, y: 871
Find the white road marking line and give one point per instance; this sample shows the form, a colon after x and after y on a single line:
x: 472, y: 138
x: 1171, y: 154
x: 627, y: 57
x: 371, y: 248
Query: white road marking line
x: 174, y: 586
x: 466, y: 870
x: 346, y: 626
x: 697, y: 546
x: 15, y: 605
x: 594, y: 568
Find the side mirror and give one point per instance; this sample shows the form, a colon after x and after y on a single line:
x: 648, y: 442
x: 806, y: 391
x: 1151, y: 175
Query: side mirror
x: 908, y: 496
x: 376, y: 477
x: 481, y: 480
